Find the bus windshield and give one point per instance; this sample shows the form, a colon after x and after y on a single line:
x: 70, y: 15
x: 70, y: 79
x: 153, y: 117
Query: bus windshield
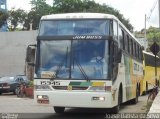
x: 74, y: 27
x: 74, y: 59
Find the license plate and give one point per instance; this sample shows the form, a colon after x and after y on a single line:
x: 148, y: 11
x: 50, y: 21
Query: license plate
x: 43, y: 101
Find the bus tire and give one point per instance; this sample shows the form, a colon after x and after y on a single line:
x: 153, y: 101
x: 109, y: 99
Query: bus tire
x: 59, y: 109
x: 135, y: 100
x: 116, y: 109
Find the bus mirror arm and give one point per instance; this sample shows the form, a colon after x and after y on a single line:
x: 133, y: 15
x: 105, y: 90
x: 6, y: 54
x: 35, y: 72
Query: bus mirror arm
x: 31, y: 64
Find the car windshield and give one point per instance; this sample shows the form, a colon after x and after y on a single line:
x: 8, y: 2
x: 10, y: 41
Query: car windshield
x: 74, y: 59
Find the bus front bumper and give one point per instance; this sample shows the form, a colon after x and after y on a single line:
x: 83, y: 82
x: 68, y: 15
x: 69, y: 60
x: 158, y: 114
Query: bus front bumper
x: 76, y: 99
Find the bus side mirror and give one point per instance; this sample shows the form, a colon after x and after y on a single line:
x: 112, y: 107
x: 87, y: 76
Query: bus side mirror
x: 118, y: 56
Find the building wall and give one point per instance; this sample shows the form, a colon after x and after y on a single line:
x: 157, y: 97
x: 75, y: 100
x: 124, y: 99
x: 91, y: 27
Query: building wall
x: 13, y: 51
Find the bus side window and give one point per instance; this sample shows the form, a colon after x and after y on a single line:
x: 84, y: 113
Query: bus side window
x: 134, y: 49
x: 115, y: 30
x: 130, y: 47
x: 139, y: 57
x: 126, y: 43
x: 121, y: 38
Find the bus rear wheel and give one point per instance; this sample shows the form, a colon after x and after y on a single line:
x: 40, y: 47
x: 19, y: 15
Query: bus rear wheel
x: 135, y: 100
x: 59, y: 109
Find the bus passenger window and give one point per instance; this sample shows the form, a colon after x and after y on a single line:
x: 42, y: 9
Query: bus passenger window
x: 121, y: 38
x: 131, y: 47
x: 115, y: 30
x: 128, y: 44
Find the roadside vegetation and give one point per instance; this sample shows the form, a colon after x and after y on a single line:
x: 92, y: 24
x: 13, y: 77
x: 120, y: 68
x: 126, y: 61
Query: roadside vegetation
x: 19, y: 19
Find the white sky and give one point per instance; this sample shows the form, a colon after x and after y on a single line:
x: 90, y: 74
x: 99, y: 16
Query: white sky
x: 134, y: 10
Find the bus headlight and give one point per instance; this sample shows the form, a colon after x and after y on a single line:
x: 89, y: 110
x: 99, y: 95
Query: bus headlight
x: 42, y: 87
x: 98, y: 98
x: 43, y: 99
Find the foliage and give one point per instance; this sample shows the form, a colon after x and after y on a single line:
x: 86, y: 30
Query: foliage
x: 16, y: 17
x: 40, y: 8
x: 153, y: 34
x: 30, y: 84
x: 3, y: 18
x: 67, y: 6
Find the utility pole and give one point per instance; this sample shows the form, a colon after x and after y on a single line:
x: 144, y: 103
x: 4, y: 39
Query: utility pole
x: 145, y: 28
x: 145, y: 34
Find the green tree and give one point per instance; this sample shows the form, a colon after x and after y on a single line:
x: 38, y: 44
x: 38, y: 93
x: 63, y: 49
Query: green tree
x: 153, y: 34
x: 39, y: 8
x: 67, y: 6
x: 3, y: 18
x: 16, y: 17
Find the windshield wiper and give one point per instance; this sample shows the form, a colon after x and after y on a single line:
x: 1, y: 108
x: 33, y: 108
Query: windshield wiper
x: 81, y: 69
x: 78, y: 64
x: 61, y: 64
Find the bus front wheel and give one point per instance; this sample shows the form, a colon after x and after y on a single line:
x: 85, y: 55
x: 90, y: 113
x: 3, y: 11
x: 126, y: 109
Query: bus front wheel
x: 59, y: 109
x: 116, y: 109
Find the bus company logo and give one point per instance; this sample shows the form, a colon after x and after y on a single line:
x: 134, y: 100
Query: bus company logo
x: 87, y: 37
x: 69, y: 88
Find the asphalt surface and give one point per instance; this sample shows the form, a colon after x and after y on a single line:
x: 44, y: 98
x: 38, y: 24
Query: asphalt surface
x: 25, y: 108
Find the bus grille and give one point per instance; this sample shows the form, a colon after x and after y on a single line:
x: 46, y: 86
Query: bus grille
x: 66, y: 88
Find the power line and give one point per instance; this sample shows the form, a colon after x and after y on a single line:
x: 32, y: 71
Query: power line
x: 152, y: 9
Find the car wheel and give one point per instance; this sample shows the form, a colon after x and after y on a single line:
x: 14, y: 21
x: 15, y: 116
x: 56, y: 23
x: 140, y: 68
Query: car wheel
x: 17, y: 91
x: 14, y: 92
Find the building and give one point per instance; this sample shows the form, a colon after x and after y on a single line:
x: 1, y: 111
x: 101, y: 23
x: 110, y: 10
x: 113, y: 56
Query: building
x: 3, y: 5
x: 3, y: 8
x: 143, y: 41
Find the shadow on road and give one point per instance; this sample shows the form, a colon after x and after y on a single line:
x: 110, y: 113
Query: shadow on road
x: 80, y: 113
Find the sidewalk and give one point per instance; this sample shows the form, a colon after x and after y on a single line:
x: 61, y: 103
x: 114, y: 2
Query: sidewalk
x: 155, y: 108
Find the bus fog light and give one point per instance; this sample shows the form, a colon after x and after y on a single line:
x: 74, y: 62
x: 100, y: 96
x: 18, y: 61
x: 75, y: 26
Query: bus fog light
x: 98, y: 98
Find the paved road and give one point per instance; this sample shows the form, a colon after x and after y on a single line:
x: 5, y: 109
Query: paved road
x: 9, y: 103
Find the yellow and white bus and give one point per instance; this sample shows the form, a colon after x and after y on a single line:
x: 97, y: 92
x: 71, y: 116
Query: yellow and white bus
x: 150, y: 80
x: 87, y: 60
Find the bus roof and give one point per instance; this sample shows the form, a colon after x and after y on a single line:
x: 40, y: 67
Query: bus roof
x: 150, y: 53
x: 78, y: 16
x: 87, y: 16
